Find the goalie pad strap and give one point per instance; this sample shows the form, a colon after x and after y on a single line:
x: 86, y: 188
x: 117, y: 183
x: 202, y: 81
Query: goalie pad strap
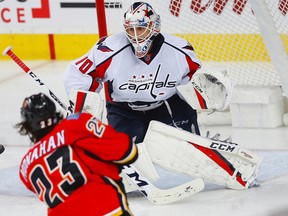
x: 144, y: 165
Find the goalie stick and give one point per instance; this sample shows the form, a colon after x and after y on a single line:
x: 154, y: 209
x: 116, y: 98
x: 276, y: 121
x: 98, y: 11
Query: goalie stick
x: 162, y: 196
x: 151, y: 192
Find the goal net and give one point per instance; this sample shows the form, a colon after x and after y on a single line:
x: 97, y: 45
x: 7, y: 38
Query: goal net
x: 221, y: 32
x: 249, y: 38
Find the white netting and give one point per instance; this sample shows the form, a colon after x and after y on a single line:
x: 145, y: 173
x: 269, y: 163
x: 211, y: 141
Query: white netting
x: 221, y: 31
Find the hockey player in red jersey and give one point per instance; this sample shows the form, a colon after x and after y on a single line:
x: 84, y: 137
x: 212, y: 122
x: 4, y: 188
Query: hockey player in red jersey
x: 152, y: 76
x: 74, y: 163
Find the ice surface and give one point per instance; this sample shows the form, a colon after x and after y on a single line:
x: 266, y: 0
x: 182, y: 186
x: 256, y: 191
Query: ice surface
x: 270, y: 199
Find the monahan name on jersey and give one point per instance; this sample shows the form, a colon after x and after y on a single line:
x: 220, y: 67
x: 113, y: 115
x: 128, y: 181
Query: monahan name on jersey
x: 43, y: 147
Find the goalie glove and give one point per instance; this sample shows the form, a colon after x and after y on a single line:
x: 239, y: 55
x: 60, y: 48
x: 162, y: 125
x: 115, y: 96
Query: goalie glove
x: 209, y: 90
x: 86, y: 101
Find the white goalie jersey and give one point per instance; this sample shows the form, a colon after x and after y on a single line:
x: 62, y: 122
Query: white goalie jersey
x: 131, y: 79
x: 150, y: 79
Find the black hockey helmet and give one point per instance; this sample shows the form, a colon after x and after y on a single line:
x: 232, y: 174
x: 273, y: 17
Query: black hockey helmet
x: 39, y: 112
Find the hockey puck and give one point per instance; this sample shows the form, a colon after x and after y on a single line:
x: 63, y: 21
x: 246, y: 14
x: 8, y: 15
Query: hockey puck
x: 2, y: 149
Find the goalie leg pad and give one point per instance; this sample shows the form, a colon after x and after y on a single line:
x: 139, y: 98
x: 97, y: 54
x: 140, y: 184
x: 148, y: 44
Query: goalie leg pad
x: 144, y: 165
x: 184, y: 152
x: 129, y: 186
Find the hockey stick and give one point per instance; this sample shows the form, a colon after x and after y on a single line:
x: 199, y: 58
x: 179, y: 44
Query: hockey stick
x: 151, y: 192
x: 162, y: 196
x: 26, y: 69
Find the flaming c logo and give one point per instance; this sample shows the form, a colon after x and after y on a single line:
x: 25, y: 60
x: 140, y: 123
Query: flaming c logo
x: 43, y: 11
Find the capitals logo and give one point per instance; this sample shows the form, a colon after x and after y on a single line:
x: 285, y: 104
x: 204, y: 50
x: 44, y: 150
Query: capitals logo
x: 150, y: 86
x: 102, y: 45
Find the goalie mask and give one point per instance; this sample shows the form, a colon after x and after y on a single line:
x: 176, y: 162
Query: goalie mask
x: 39, y: 115
x: 141, y: 24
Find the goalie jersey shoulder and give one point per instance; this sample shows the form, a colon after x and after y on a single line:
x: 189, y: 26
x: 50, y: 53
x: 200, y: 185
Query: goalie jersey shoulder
x: 178, y: 42
x: 181, y: 45
x: 107, y: 47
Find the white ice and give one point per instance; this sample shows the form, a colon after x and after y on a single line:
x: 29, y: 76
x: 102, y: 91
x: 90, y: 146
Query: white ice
x: 269, y: 199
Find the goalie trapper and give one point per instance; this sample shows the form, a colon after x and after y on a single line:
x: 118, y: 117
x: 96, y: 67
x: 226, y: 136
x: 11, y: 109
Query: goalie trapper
x: 209, y: 89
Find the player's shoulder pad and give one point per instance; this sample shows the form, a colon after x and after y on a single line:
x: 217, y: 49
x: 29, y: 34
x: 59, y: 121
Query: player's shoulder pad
x: 108, y: 46
x: 74, y: 116
x: 83, y: 123
x: 112, y: 44
x: 77, y: 119
x: 79, y: 115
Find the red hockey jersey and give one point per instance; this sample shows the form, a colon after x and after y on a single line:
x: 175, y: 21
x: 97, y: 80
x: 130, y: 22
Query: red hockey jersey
x: 75, y: 168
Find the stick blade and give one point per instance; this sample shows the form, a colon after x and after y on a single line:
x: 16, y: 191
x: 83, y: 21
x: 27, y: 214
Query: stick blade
x: 166, y: 196
x: 4, y: 53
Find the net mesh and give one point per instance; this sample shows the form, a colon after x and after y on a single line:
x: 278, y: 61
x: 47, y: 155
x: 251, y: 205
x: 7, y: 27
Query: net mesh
x: 222, y: 32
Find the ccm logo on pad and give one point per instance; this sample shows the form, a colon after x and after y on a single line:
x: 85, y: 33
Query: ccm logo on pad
x: 222, y: 146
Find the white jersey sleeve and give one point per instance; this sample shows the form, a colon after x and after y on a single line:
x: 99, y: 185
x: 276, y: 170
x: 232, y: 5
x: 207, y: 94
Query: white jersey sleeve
x: 129, y: 78
x: 81, y: 73
x: 190, y: 57
x: 75, y: 80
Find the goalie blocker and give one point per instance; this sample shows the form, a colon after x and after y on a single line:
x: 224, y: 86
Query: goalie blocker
x: 215, y: 161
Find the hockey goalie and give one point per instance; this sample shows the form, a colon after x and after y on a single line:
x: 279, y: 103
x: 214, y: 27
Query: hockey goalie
x: 219, y: 162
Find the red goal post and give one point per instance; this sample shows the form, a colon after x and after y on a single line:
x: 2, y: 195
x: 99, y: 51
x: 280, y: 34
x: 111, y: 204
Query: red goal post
x: 101, y: 18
